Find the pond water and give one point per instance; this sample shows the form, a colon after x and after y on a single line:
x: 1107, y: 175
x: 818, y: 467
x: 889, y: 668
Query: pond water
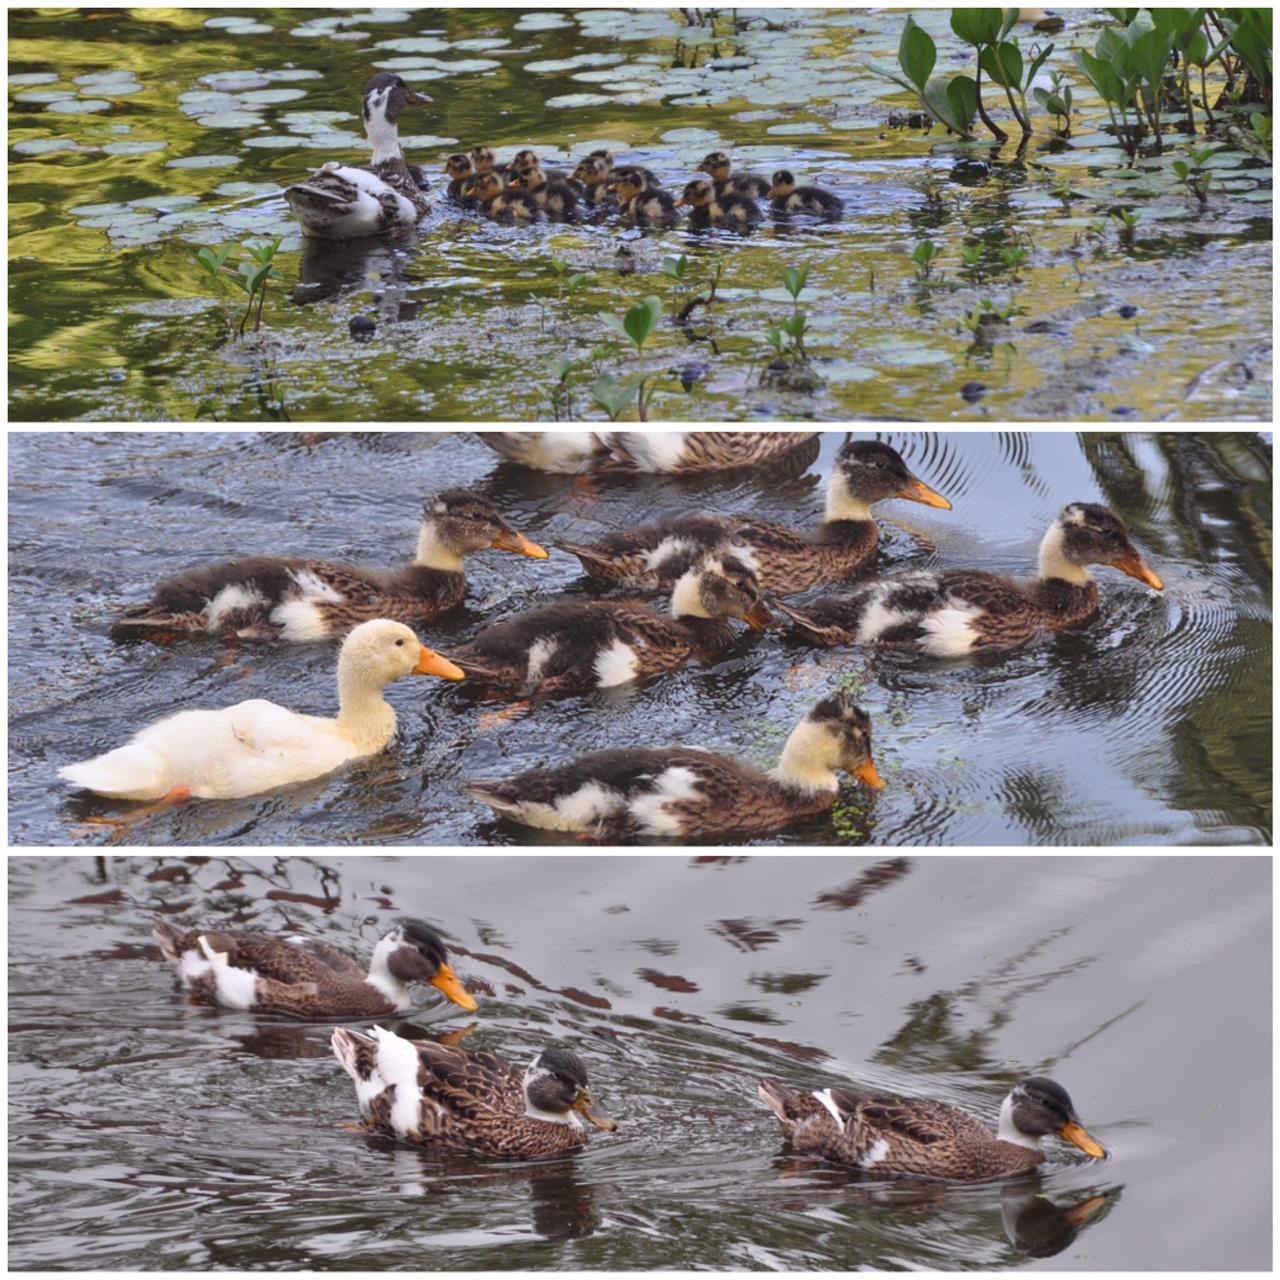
x: 139, y: 136
x: 1153, y: 725
x: 148, y: 1133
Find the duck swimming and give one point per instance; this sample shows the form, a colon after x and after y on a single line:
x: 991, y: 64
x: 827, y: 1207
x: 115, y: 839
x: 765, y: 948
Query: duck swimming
x: 926, y: 1139
x: 947, y: 612
x: 256, y: 746
x: 583, y: 644
x: 304, y: 977
x: 787, y: 197
x: 275, y: 597
x: 688, y: 794
x: 785, y: 560
x: 719, y: 168
x: 341, y: 202
x: 709, y: 208
x: 437, y: 1095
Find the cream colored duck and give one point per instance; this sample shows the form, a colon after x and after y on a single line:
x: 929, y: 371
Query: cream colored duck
x: 341, y: 202
x: 652, y: 452
x: 257, y: 746
x: 686, y: 793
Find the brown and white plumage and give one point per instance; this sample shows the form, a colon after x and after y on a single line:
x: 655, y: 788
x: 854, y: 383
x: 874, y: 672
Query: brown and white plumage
x: 462, y: 172
x: 304, y: 977
x: 644, y: 202
x: 583, y: 644
x: 303, y: 600
x: 435, y: 1094
x: 785, y: 560
x: 504, y: 203
x: 709, y: 208
x: 786, y: 196
x: 341, y: 201
x: 946, y: 612
x: 922, y: 1138
x: 595, y: 172
x: 686, y: 793
x: 719, y: 168
x: 559, y: 198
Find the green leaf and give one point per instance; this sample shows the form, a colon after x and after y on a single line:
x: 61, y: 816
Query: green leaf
x: 1151, y: 55
x: 938, y: 104
x: 213, y: 260
x: 641, y: 321
x: 962, y: 98
x: 675, y: 267
x: 793, y: 279
x: 613, y: 396
x: 1003, y: 64
x: 976, y: 26
x: 917, y: 54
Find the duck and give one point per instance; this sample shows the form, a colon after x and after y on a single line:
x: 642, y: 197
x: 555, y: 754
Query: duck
x: 710, y: 209
x: 719, y: 168
x: 502, y: 202
x: 302, y: 977
x: 646, y: 205
x: 952, y: 612
x: 607, y: 159
x: 562, y: 452
x: 462, y: 172
x: 785, y: 560
x: 433, y: 1094
x: 340, y: 202
x: 526, y: 161
x: 787, y: 197
x: 922, y: 1138
x: 595, y: 174
x: 485, y: 160
x: 685, y: 793
x: 298, y: 600
x: 256, y: 746
x: 573, y: 645
x: 556, y: 196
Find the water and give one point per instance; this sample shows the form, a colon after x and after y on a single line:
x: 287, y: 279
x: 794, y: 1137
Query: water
x: 201, y: 124
x: 148, y: 1133
x: 1150, y: 726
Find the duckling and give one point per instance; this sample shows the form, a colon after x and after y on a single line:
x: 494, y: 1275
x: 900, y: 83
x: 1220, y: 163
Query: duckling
x: 504, y: 203
x: 486, y: 161
x: 786, y: 560
x: 688, y: 794
x: 256, y: 746
x: 525, y: 161
x: 594, y: 174
x: 574, y: 645
x: 646, y: 206
x: 735, y: 213
x: 921, y: 1138
x: 438, y: 1095
x: 719, y: 166
x: 789, y: 198
x: 957, y: 611
x: 302, y: 977
x: 341, y: 202
x: 462, y: 173
x: 270, y: 597
x: 675, y: 453
x: 558, y: 198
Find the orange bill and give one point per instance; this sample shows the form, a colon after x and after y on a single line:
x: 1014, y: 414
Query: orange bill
x: 680, y: 204
x: 599, y: 1118
x: 431, y: 663
x: 1076, y: 1135
x: 446, y: 981
x: 757, y: 617
x: 513, y: 541
x: 918, y: 491
x: 866, y: 773
x: 1136, y: 567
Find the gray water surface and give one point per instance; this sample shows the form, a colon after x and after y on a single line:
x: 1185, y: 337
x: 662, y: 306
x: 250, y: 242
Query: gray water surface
x: 1150, y: 726
x: 148, y: 1133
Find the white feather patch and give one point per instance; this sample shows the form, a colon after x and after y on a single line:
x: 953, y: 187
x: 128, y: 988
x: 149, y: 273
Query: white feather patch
x: 587, y: 805
x: 540, y: 653
x: 615, y: 665
x: 236, y: 598
x: 236, y: 988
x: 950, y: 631
x: 650, y: 811
x: 398, y: 1066
x: 300, y: 621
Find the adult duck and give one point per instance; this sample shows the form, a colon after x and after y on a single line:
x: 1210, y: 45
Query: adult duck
x: 685, y: 793
x: 574, y: 645
x: 288, y: 598
x: 302, y: 977
x: 785, y: 560
x: 341, y: 202
x: 948, y: 612
x: 256, y: 746
x: 922, y: 1138
x: 438, y: 1095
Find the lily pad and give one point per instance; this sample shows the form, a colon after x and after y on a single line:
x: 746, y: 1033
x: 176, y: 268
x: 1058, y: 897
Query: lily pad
x: 45, y: 95
x: 235, y: 81
x: 272, y: 142
x: 269, y: 97
x: 35, y: 77
x: 542, y: 22
x: 796, y: 130
x: 231, y: 120
x: 133, y: 148
x: 414, y: 44
x: 44, y: 146
x: 166, y: 203
x: 570, y: 100
x: 84, y: 107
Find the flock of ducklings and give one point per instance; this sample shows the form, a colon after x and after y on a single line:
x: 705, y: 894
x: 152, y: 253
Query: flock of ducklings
x: 719, y: 567
x: 523, y: 191
x: 437, y: 1094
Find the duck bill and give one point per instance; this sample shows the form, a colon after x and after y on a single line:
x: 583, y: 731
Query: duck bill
x: 512, y: 541
x: 758, y: 617
x: 866, y: 773
x: 431, y: 663
x: 415, y: 96
x: 680, y: 204
x: 446, y: 982
x: 585, y: 1107
x: 1074, y: 1133
x: 918, y: 491
x: 1136, y: 567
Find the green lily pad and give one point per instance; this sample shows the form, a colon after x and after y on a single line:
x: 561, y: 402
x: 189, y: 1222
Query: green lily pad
x: 235, y: 81
x: 691, y: 137
x: 231, y: 120
x: 272, y: 142
x: 84, y: 107
x: 269, y: 97
x: 34, y: 77
x: 44, y: 146
x: 133, y: 148
x: 570, y: 100
x: 542, y: 22
x: 109, y: 209
x: 415, y: 44
x: 45, y: 95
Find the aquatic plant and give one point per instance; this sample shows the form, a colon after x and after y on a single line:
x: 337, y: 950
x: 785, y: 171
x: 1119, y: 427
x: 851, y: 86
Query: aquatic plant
x: 924, y: 256
x: 637, y: 326
x: 1193, y: 174
x: 953, y: 103
x: 251, y: 276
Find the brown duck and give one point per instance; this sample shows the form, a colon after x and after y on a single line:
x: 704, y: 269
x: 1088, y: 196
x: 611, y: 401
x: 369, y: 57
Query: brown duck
x: 303, y: 977
x: 925, y: 1139
x: 434, y: 1094
x: 785, y: 560
x: 269, y: 597
x: 946, y: 612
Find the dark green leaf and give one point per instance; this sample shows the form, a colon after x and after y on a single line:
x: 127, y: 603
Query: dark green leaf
x: 917, y: 54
